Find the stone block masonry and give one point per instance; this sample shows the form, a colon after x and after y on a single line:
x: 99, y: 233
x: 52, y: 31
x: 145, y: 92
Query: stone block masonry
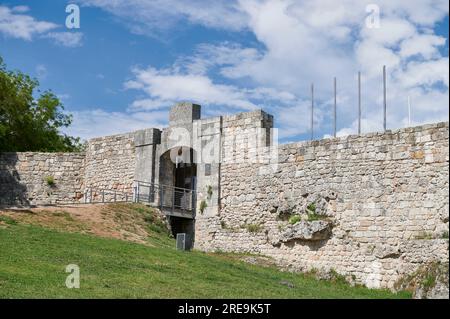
x: 111, y: 162
x: 383, y: 195
x: 108, y: 163
x: 373, y: 207
x: 41, y: 178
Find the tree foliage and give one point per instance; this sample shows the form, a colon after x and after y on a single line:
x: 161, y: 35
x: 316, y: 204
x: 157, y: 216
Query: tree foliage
x: 30, y: 120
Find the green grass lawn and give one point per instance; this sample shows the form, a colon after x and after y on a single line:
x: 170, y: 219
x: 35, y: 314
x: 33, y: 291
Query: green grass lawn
x: 33, y: 261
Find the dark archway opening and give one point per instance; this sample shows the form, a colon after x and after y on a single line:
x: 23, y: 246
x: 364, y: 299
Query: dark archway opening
x: 185, y: 169
x: 183, y: 225
x: 178, y: 170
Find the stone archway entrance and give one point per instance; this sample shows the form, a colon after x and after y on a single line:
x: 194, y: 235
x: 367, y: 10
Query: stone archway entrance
x: 178, y: 180
x: 185, y: 172
x: 177, y: 168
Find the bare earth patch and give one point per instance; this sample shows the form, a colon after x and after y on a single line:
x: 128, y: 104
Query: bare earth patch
x: 120, y: 221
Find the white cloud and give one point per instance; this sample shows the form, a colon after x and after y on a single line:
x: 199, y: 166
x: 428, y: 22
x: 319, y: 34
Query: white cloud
x: 16, y: 25
x: 189, y: 82
x: 98, y: 122
x: 310, y: 41
x: 299, y: 42
x: 226, y: 55
x: 20, y: 9
x: 67, y: 39
x: 149, y: 104
x: 172, y: 85
x: 422, y: 12
x: 425, y: 45
x: 391, y: 31
x: 150, y: 17
x: 425, y: 73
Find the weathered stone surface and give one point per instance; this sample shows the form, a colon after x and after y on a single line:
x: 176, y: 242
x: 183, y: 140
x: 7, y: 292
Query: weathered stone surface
x: 389, y: 206
x: 23, y: 178
x: 385, y: 193
x: 147, y: 137
x: 429, y: 281
x: 439, y: 291
x: 110, y: 163
x: 387, y: 251
x: 184, y: 113
x: 304, y: 230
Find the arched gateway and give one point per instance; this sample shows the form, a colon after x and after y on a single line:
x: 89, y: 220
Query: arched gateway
x: 361, y: 205
x: 178, y: 168
x: 177, y: 188
x: 166, y: 173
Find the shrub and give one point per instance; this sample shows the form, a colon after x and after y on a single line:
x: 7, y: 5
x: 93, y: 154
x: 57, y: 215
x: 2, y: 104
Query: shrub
x: 311, y: 208
x: 253, y: 228
x: 209, y: 191
x: 294, y: 219
x: 50, y: 180
x: 203, y: 206
x: 313, y: 216
x: 336, y: 277
x: 424, y: 279
x: 424, y: 236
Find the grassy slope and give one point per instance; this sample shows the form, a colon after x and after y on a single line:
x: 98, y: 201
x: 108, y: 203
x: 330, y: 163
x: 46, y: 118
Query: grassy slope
x: 33, y: 260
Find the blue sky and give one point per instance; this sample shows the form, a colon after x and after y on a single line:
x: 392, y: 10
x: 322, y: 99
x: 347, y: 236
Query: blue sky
x: 131, y: 60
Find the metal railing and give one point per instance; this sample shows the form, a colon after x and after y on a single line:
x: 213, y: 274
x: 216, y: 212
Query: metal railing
x: 94, y: 195
x: 171, y: 200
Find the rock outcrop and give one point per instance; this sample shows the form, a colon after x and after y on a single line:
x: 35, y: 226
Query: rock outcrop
x: 308, y: 231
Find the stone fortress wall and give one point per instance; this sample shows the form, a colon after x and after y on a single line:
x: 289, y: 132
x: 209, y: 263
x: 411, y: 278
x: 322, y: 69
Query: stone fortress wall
x: 110, y: 163
x: 380, y: 205
x: 25, y: 178
x: 373, y: 207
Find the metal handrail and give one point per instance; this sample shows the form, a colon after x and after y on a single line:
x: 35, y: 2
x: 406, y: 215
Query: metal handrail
x: 170, y: 199
x: 162, y: 185
x: 91, y: 195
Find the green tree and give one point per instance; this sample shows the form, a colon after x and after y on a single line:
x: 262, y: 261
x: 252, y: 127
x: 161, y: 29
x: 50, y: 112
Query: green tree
x: 29, y: 120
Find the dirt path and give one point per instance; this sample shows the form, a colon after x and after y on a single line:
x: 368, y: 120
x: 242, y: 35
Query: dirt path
x: 121, y: 221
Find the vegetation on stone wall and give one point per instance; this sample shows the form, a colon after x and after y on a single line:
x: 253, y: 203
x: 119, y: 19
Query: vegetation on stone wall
x: 203, y: 206
x: 294, y: 219
x: 209, y: 191
x: 430, y: 280
x: 29, y: 122
x: 50, y: 180
x: 313, y: 214
x: 253, y: 228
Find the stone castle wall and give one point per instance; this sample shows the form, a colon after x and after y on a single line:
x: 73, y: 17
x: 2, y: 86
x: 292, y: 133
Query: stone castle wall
x: 373, y: 207
x: 227, y: 138
x: 24, y: 178
x: 380, y: 204
x: 110, y: 163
